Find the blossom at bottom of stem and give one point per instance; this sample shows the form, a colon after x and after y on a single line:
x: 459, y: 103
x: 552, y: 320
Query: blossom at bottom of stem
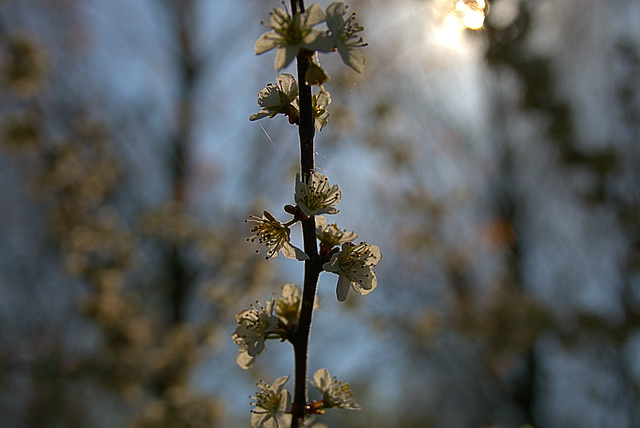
x: 334, y: 392
x: 272, y: 403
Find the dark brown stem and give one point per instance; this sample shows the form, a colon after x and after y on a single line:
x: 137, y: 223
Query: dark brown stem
x: 313, y: 266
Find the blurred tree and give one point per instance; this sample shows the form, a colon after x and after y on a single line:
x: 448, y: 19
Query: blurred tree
x: 501, y: 302
x: 147, y: 263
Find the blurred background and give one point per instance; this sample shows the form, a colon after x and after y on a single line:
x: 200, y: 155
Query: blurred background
x: 494, y: 159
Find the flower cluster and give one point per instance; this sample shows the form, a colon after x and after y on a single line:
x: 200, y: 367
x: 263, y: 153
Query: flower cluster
x: 352, y: 263
x: 291, y: 35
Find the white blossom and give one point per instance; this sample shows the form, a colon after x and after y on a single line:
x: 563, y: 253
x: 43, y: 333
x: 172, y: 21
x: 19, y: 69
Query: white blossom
x: 330, y: 235
x: 314, y: 195
x: 279, y: 98
x: 353, y: 264
x: 271, y: 406
x: 287, y: 307
x: 289, y: 34
x: 270, y: 232
x: 334, y: 392
x: 255, y: 325
x: 319, y: 102
x: 345, y: 35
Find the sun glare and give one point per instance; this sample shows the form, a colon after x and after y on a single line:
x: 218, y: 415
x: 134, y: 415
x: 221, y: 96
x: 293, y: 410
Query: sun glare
x: 467, y: 14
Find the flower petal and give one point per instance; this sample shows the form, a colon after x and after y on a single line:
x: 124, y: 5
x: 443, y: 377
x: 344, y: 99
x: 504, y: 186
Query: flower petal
x: 353, y: 57
x: 314, y: 15
x: 300, y: 255
x: 293, y: 252
x: 342, y: 289
x: 245, y: 361
x: 261, y: 418
x: 279, y: 383
x: 255, y: 347
x: 323, y: 41
x: 332, y: 265
x: 286, y: 83
x: 259, y: 115
x: 284, y: 55
x: 375, y: 255
x: 321, y: 380
x: 366, y: 287
x: 266, y: 42
x: 335, y: 13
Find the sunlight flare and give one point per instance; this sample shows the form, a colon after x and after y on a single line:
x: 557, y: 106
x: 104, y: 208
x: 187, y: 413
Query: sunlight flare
x: 467, y: 14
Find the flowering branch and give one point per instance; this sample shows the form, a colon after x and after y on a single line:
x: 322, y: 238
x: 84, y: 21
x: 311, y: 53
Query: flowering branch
x: 295, y: 36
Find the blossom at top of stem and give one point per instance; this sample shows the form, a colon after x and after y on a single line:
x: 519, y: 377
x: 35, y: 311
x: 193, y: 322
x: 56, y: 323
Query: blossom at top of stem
x: 344, y: 33
x: 275, y: 235
x: 278, y: 98
x: 330, y: 235
x: 334, y: 392
x: 288, y: 34
x: 314, y: 195
x: 272, y: 403
x: 353, y: 264
x: 255, y: 325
